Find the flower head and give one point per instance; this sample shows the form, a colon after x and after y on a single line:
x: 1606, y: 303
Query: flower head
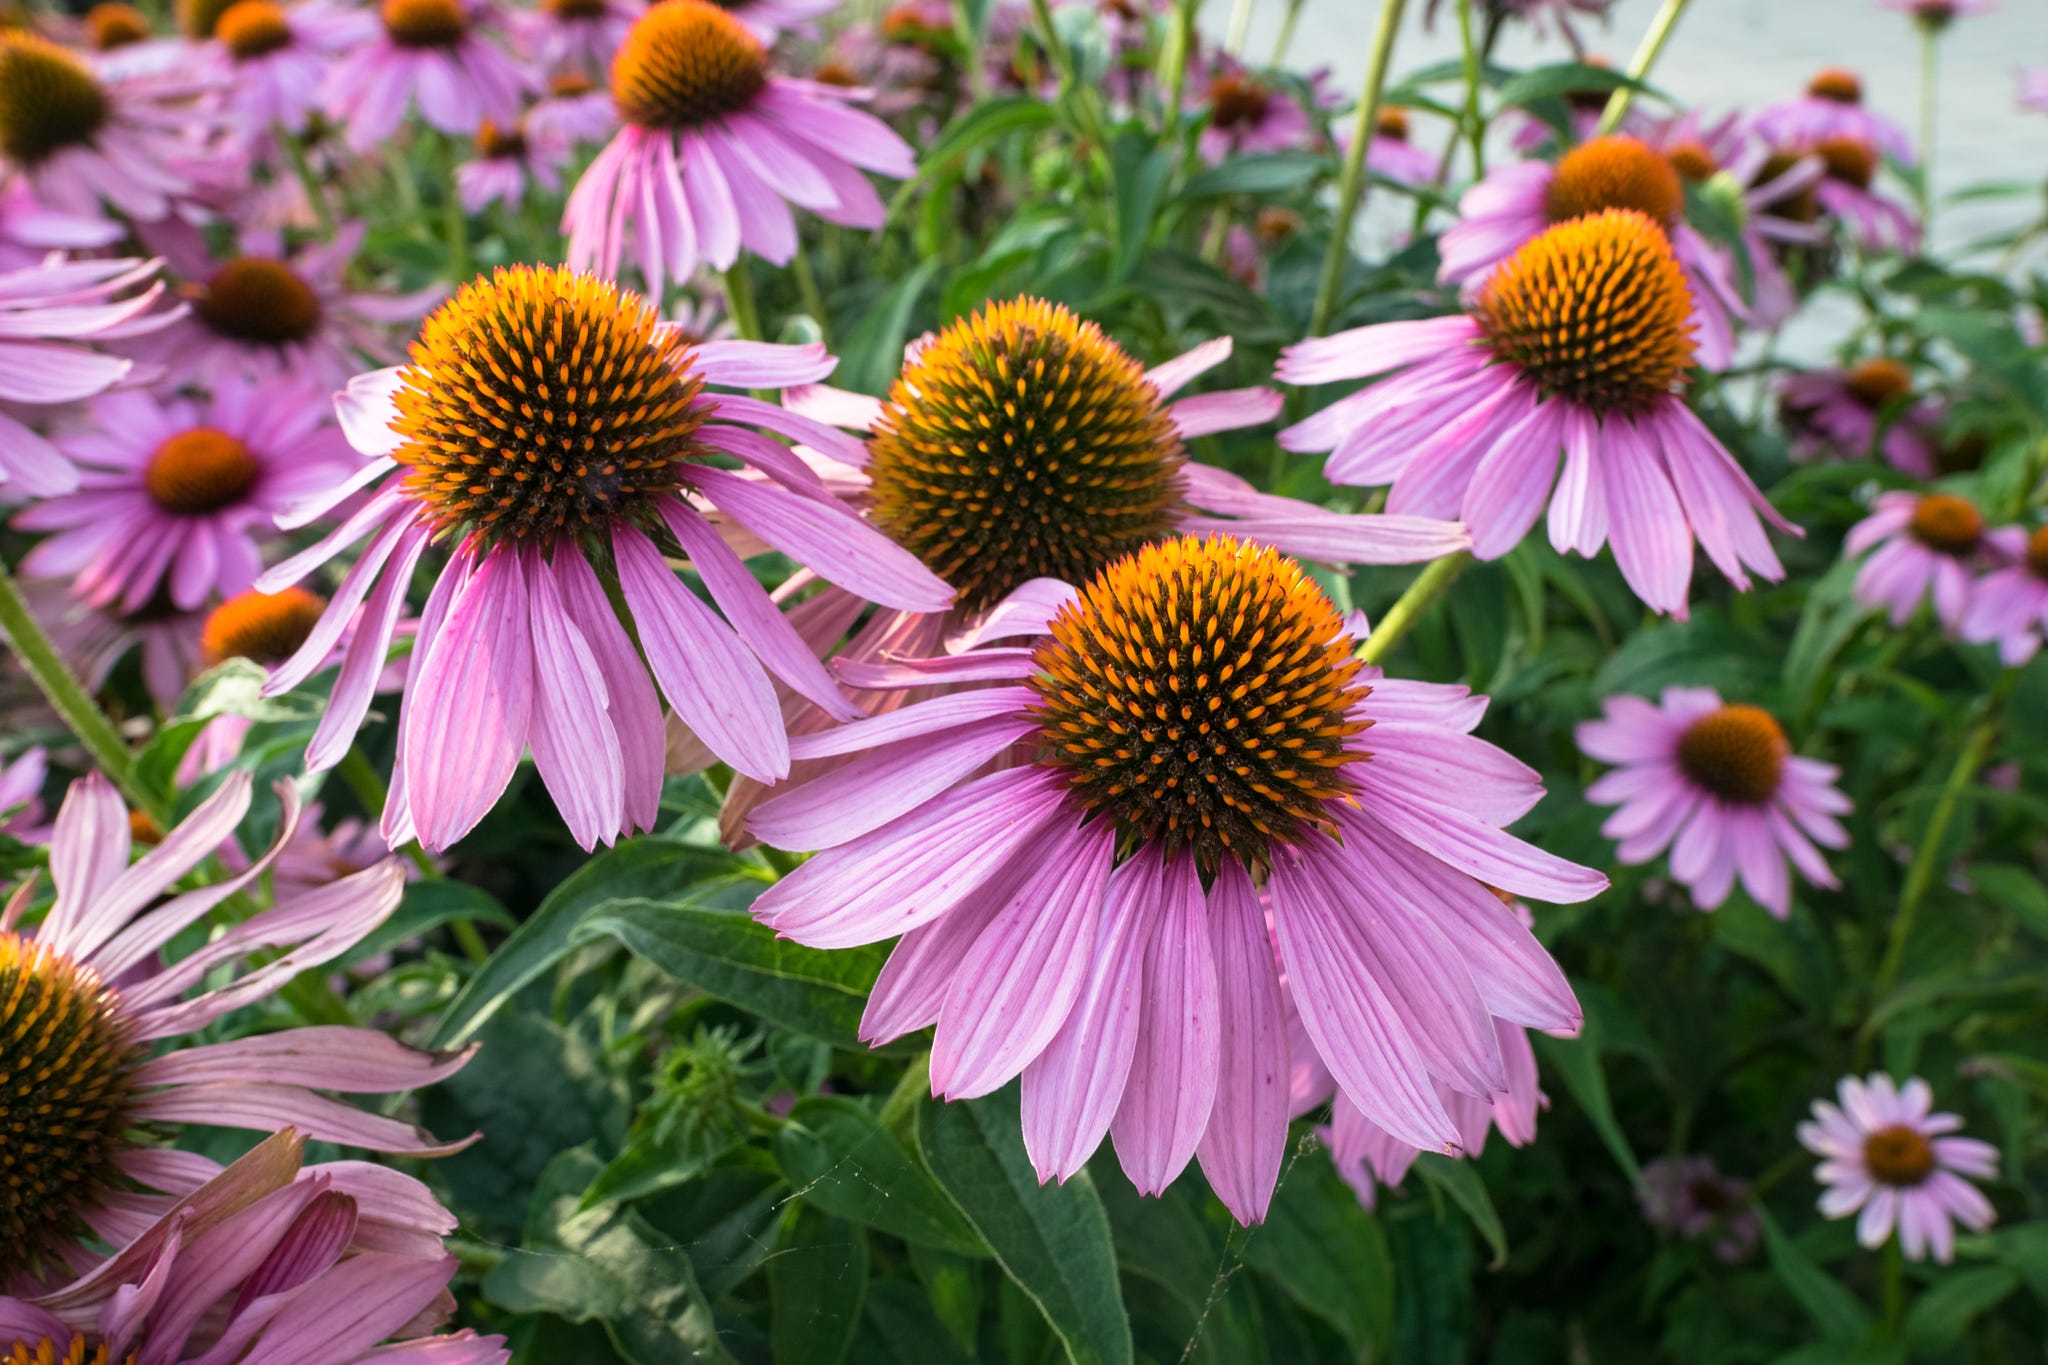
x: 1936, y: 15
x: 1832, y: 107
x: 1870, y: 407
x: 576, y: 36
x: 273, y: 59
x: 434, y: 53
x: 1887, y: 1154
x: 715, y: 149
x: 1249, y: 114
x: 97, y: 640
x: 1391, y: 154
x: 1924, y: 545
x: 1189, y: 723
x: 88, y: 985
x: 174, y: 495
x: 547, y: 421
x: 1720, y: 786
x: 2009, y: 605
x: 1576, y: 345
x: 1688, y: 1196
x: 506, y: 160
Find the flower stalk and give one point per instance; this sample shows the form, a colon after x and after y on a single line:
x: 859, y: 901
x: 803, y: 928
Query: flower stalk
x: 1639, y: 66
x: 1433, y: 582
x: 1351, y: 183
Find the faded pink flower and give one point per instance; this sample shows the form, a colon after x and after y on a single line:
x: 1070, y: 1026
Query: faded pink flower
x: 1888, y: 1155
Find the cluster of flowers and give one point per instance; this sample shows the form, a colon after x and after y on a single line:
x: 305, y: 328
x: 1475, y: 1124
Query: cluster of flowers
x: 1055, y: 704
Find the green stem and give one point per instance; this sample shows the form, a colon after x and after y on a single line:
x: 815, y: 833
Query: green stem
x: 1927, y: 856
x: 977, y: 71
x: 454, y: 223
x: 1351, y: 184
x: 1055, y: 50
x: 1218, y: 235
x: 1179, y: 43
x: 1930, y: 40
x: 739, y: 301
x: 901, y: 1107
x: 67, y: 695
x: 1285, y: 38
x: 316, y: 193
x: 1240, y: 27
x: 1475, y: 126
x: 813, y: 297
x: 1894, y: 1274
x: 1639, y: 66
x: 1413, y: 604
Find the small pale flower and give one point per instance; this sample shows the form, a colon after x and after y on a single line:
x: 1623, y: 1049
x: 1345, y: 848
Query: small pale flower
x: 1923, y: 546
x: 2009, y: 605
x: 433, y: 53
x: 507, y: 162
x: 1843, y: 411
x: 1832, y: 107
x: 1887, y: 1154
x: 1687, y: 1196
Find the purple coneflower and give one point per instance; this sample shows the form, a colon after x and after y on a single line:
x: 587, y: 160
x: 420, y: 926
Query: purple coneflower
x: 137, y: 142
x: 577, y: 37
x: 1092, y: 462
x: 518, y: 644
x: 768, y: 20
x: 174, y: 495
x: 1703, y: 151
x: 715, y: 149
x: 1832, y: 107
x: 1249, y: 115
x: 2010, y: 604
x: 1887, y: 1155
x: 273, y: 59
x: 1577, y: 345
x: 87, y: 1078
x: 47, y: 314
x: 1687, y: 1196
x: 507, y: 161
x: 1518, y: 202
x: 30, y: 230
x: 266, y: 1261
x: 433, y: 53
x: 1190, y: 724
x: 1390, y: 154
x: 574, y: 111
x: 1719, y: 785
x: 1843, y: 411
x: 1936, y: 15
x: 95, y: 640
x: 1846, y: 191
x: 1928, y: 545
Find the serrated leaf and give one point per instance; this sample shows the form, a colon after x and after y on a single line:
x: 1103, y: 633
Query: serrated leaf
x: 1051, y: 1240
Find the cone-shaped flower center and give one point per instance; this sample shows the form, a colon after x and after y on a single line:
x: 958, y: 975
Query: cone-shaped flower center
x: 198, y: 19
x: 1946, y: 523
x: 143, y: 830
x: 1615, y: 173
x: 1962, y: 453
x: 1899, y: 1155
x: 1878, y: 381
x: 569, y: 84
x: 1596, y: 311
x: 2037, y: 552
x: 1803, y: 207
x: 575, y: 9
x: 48, y: 100
x: 425, y: 23
x: 1708, y: 1195
x: 1737, y: 753
x: 199, y: 470
x: 1835, y: 83
x: 111, y: 25
x: 252, y: 28
x: 48, y: 1351
x: 65, y: 1081
x: 258, y: 299
x: 1200, y: 693
x: 493, y: 141
x: 1391, y: 122
x: 1237, y: 101
x: 1850, y: 160
x: 265, y: 627
x: 1693, y: 160
x: 541, y: 402
x: 684, y: 63
x: 1023, y: 443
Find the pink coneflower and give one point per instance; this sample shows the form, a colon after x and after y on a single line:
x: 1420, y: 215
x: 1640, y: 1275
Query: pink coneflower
x: 136, y: 142
x: 1928, y: 545
x: 86, y: 1052
x: 433, y: 53
x: 1937, y: 15
x: 715, y: 149
x: 1577, y: 344
x: 575, y: 36
x: 1887, y: 1155
x: 1720, y: 786
x: 30, y: 230
x: 1842, y: 412
x: 1687, y: 1196
x: 21, y: 794
x: 2034, y: 89
x: 1249, y: 115
x: 518, y: 644
x: 95, y: 640
x: 1832, y: 107
x: 507, y: 161
x: 1846, y: 191
x: 574, y: 111
x: 1090, y: 917
x: 47, y: 315
x: 1390, y: 154
x: 273, y: 59
x: 1091, y: 463
x: 2010, y: 604
x: 266, y: 1261
x: 1368, y: 1156
x: 174, y: 495
x: 265, y: 311
x: 1704, y: 150
x: 1518, y: 202
x: 768, y: 20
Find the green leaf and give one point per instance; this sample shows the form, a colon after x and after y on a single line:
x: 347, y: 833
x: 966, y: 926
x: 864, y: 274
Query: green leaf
x: 2014, y: 888
x: 816, y: 1285
x: 1140, y: 171
x: 982, y: 123
x: 725, y: 953
x: 1939, y: 1318
x: 1838, y: 1313
x: 1577, y: 1060
x: 874, y: 346
x: 426, y: 907
x: 1566, y: 78
x: 1052, y: 1240
x: 838, y: 1156
x: 640, y: 867
x: 1328, y: 1254
x: 233, y: 688
x: 1461, y: 1182
x: 1271, y: 173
